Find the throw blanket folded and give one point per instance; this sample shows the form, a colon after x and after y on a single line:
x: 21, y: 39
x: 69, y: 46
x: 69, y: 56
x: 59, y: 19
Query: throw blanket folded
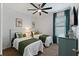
x: 25, y: 43
x: 43, y: 38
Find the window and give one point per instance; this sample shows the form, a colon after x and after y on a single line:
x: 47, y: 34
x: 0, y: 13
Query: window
x: 60, y: 26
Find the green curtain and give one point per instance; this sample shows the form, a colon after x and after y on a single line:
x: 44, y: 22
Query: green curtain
x: 54, y: 36
x: 67, y: 14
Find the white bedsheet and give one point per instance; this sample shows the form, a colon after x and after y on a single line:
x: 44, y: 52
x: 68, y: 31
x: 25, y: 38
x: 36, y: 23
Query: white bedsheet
x: 48, y: 40
x: 31, y: 49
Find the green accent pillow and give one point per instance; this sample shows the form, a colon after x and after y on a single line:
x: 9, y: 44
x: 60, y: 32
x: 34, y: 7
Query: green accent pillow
x: 20, y: 35
x: 36, y: 33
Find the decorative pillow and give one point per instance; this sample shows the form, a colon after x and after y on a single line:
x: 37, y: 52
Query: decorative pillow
x: 28, y: 34
x: 24, y: 35
x: 32, y: 34
x: 35, y: 33
x: 19, y: 35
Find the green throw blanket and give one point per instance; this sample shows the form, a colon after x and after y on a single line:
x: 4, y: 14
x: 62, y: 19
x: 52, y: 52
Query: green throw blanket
x: 43, y: 38
x: 25, y: 43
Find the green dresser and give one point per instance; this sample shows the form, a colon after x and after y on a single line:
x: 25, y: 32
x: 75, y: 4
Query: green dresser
x: 66, y: 45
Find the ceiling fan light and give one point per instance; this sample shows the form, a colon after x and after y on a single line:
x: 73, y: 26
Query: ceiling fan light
x: 39, y: 10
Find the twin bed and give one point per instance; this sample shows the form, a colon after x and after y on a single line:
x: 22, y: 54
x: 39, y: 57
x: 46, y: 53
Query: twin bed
x: 30, y: 46
x: 30, y: 49
x: 46, y: 39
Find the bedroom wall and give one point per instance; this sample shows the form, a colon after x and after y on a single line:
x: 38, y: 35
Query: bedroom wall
x: 0, y: 32
x: 9, y: 22
x: 44, y: 23
x: 78, y: 30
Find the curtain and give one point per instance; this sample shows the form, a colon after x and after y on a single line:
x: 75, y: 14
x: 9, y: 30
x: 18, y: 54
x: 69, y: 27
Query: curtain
x: 67, y: 14
x: 54, y: 36
x: 67, y: 24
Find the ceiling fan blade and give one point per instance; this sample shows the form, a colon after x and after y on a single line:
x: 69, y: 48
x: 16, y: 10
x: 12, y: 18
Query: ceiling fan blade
x: 31, y: 9
x: 46, y: 8
x: 40, y: 13
x: 35, y: 12
x: 43, y: 5
x: 45, y: 12
x: 34, y: 5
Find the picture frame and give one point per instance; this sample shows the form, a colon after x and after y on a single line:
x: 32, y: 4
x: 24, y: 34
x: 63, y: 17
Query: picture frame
x: 18, y: 22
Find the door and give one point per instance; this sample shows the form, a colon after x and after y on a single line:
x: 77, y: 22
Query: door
x: 68, y: 47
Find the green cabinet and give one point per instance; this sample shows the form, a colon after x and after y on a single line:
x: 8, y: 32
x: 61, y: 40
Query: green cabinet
x: 66, y: 45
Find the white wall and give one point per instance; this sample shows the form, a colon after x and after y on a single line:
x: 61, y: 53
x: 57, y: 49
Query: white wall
x: 0, y: 27
x: 78, y: 30
x: 0, y: 32
x: 44, y: 23
x: 9, y: 22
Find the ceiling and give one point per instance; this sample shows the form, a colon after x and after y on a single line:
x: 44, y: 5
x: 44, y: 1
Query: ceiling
x: 22, y: 7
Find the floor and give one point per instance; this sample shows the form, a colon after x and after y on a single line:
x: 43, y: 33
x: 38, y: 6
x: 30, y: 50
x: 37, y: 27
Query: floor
x: 50, y: 51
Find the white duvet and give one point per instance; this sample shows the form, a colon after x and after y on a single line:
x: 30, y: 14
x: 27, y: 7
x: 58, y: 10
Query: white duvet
x: 48, y: 41
x: 31, y: 49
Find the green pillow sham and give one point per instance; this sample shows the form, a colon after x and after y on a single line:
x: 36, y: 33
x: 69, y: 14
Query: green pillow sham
x: 20, y: 35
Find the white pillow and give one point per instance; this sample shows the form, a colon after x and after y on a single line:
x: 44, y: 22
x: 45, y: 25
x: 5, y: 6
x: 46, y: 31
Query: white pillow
x: 28, y: 34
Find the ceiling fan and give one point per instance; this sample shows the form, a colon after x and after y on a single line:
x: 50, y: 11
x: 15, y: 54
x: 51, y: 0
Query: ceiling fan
x: 39, y: 8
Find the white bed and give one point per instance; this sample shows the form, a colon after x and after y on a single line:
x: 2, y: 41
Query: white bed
x: 31, y: 49
x: 48, y: 41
